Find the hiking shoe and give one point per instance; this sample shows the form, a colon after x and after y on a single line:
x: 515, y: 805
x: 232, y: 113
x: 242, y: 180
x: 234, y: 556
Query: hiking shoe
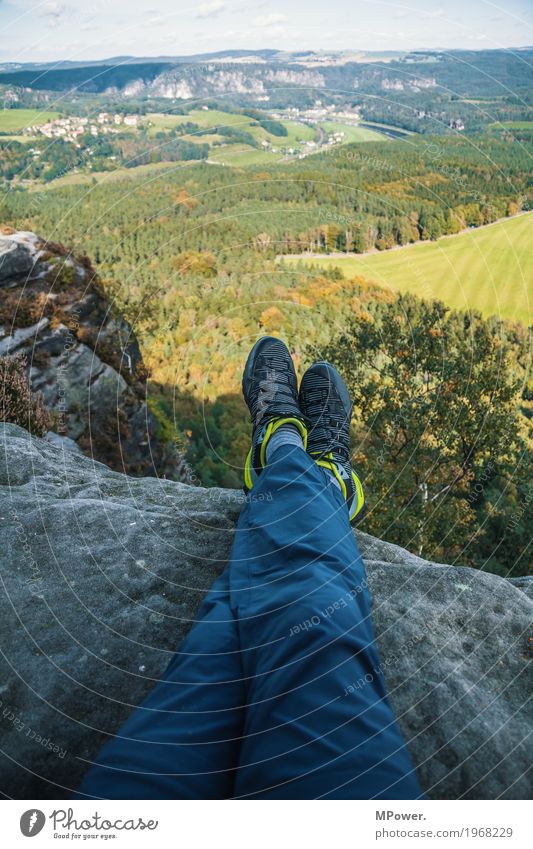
x: 270, y: 389
x: 326, y: 404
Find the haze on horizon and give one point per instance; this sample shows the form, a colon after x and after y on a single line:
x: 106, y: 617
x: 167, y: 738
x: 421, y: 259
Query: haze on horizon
x: 74, y: 30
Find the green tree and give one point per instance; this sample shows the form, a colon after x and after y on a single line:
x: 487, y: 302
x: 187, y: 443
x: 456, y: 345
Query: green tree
x: 437, y: 397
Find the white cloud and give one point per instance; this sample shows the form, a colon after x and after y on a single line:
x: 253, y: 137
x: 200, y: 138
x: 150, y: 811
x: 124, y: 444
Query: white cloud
x: 270, y: 20
x: 54, y: 13
x: 249, y: 6
x: 54, y: 10
x: 211, y: 10
x: 157, y: 21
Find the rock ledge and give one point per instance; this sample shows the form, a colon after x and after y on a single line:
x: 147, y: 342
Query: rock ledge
x: 102, y: 574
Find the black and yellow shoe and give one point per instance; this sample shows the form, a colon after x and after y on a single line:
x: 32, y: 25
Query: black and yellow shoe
x: 327, y: 407
x: 270, y: 389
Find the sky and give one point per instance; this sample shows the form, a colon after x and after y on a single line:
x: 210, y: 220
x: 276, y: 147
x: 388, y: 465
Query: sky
x: 95, y: 29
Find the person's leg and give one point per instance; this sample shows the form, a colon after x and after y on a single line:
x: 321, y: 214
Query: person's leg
x: 318, y: 722
x: 183, y: 741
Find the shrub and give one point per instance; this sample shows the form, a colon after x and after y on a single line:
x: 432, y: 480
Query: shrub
x: 17, y: 402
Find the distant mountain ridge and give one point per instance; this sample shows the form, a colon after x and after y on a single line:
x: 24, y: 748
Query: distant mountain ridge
x: 65, y: 64
x: 260, y: 72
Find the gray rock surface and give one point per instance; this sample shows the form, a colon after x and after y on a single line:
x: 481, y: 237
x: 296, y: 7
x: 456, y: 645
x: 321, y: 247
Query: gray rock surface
x: 102, y: 575
x: 84, y: 360
x: 65, y: 443
x: 18, y: 254
x: 12, y: 343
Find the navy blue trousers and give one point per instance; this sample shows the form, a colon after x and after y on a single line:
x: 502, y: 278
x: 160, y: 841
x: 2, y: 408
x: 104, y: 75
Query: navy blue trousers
x: 276, y: 692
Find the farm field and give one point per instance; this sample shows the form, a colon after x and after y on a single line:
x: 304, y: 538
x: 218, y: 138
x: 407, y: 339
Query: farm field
x: 240, y: 155
x: 204, y: 118
x: 81, y: 178
x: 379, y: 126
x: 489, y: 269
x: 296, y: 133
x: 514, y: 125
x: 13, y: 120
x: 214, y: 118
x: 352, y: 133
x: 210, y: 138
x: 21, y: 139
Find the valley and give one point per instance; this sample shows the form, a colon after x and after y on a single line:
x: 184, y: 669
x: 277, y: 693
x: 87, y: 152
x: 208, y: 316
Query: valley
x: 371, y: 210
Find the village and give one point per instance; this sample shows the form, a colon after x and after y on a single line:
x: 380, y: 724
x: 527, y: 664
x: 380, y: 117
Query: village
x: 71, y: 127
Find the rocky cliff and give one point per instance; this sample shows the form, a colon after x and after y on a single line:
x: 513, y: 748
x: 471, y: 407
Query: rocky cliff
x: 102, y: 575
x: 81, y: 356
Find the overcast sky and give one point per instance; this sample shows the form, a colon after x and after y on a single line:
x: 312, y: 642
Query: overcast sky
x: 94, y: 29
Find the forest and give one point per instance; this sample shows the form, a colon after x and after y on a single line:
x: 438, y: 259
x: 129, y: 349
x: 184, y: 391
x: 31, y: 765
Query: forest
x: 443, y: 399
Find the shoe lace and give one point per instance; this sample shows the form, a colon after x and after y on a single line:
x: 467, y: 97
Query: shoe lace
x: 331, y: 432
x: 274, y: 396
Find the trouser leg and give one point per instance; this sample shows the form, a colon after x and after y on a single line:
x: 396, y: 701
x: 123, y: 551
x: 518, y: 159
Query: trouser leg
x: 182, y: 742
x: 318, y: 722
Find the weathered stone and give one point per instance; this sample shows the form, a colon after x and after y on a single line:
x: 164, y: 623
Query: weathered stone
x: 12, y: 344
x: 65, y: 443
x: 102, y: 575
x: 82, y: 357
x: 15, y: 261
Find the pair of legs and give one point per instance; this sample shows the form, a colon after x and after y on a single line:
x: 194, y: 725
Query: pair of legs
x: 275, y: 693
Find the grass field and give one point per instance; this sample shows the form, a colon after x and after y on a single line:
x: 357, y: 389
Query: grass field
x: 296, y: 133
x: 241, y: 155
x: 12, y: 120
x: 236, y: 154
x: 21, y: 139
x: 204, y: 118
x: 352, y: 133
x: 489, y: 269
x: 214, y: 118
x: 209, y: 139
x: 86, y: 178
x: 378, y: 125
x: 514, y: 125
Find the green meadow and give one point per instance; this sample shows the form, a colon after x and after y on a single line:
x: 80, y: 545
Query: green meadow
x: 13, y: 120
x: 489, y: 269
x: 240, y: 154
x: 352, y: 133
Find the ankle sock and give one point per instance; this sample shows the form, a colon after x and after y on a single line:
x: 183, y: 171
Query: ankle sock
x: 333, y: 478
x: 285, y: 435
x: 289, y: 435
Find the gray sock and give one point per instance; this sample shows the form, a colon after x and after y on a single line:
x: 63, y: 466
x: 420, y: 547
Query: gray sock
x: 333, y: 478
x: 286, y: 435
